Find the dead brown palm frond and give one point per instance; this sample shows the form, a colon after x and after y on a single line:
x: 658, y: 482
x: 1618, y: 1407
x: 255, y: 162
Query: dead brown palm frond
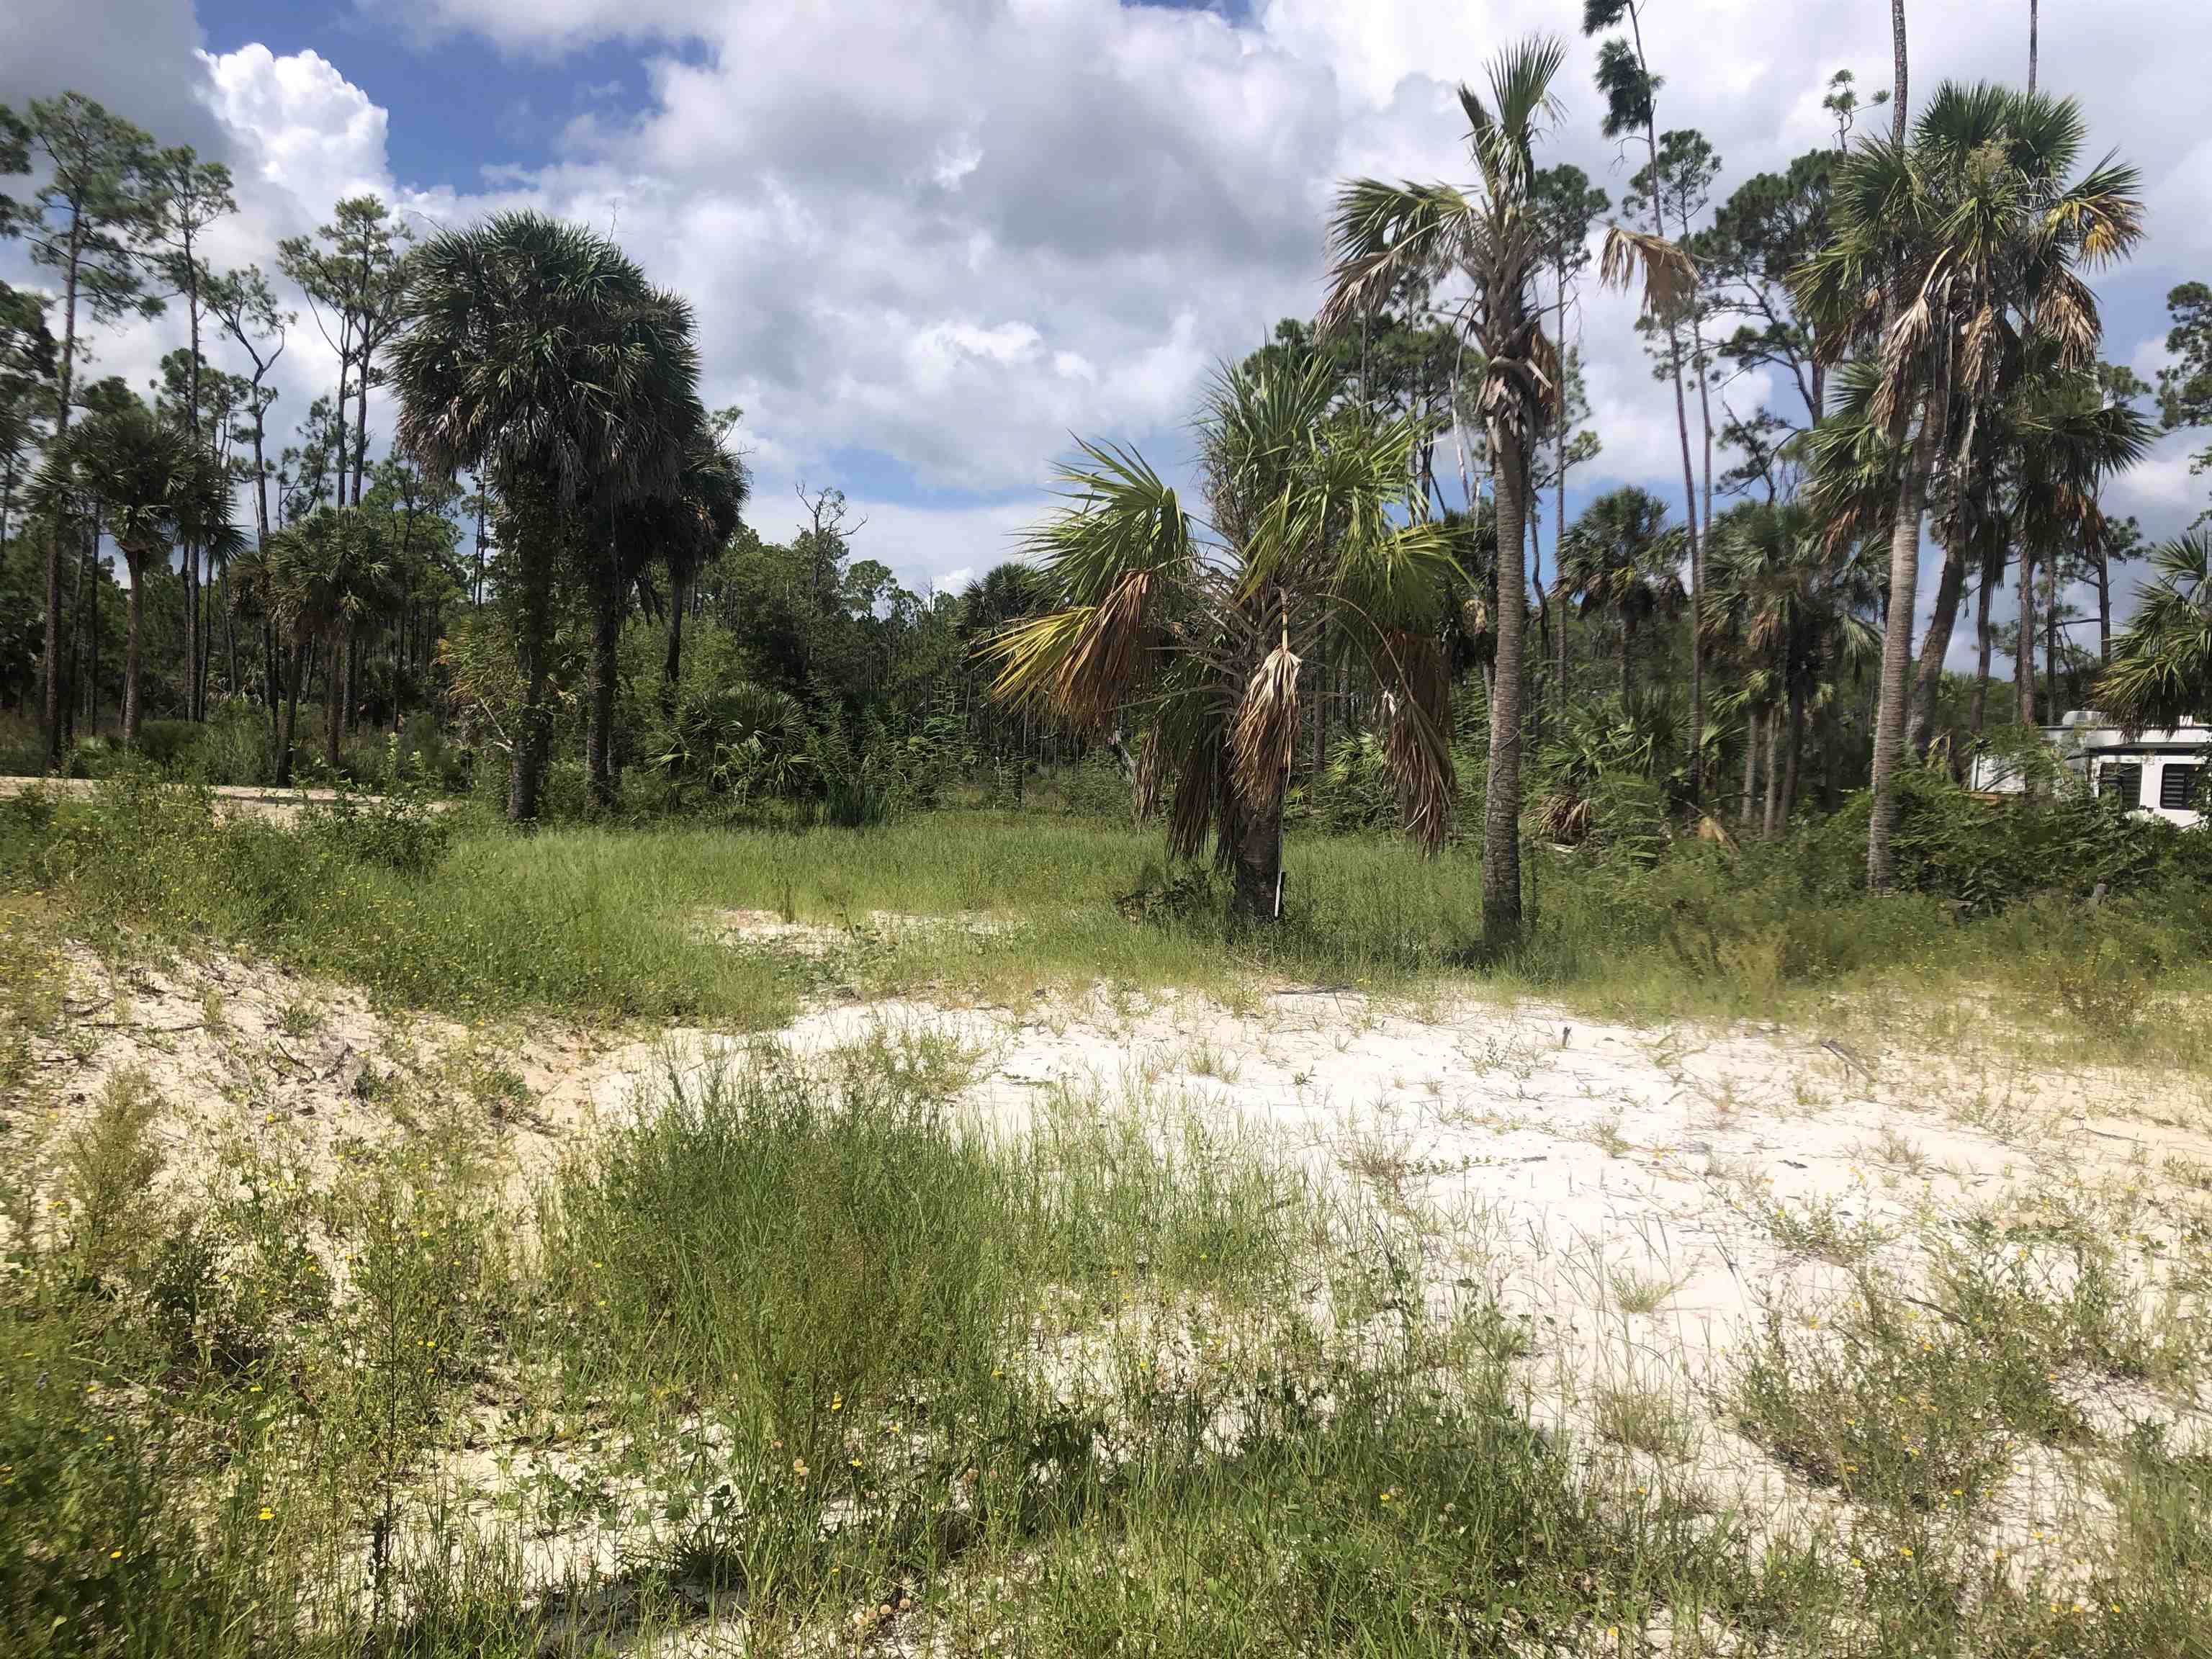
x: 2066, y: 311
x: 1670, y: 274
x: 1982, y: 343
x: 1080, y: 663
x: 1416, y: 737
x: 1549, y: 373
x: 1197, y: 799
x: 1266, y: 736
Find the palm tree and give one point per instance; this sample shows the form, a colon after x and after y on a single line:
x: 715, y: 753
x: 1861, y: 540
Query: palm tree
x: 1946, y: 252
x: 330, y: 574
x: 154, y: 486
x: 1199, y: 628
x: 2066, y: 441
x: 1492, y: 238
x: 710, y: 504
x: 1622, y: 560
x: 1794, y: 607
x: 684, y: 531
x: 2161, y: 668
x: 528, y: 352
x: 633, y: 526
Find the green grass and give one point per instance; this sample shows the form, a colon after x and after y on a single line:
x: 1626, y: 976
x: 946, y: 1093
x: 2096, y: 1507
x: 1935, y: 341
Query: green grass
x: 616, y: 922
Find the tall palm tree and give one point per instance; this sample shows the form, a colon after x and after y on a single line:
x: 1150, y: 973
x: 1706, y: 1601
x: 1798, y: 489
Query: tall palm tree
x: 634, y: 526
x: 1199, y: 628
x: 526, y: 353
x: 711, y: 499
x: 1622, y: 560
x: 331, y: 574
x: 2066, y: 442
x: 154, y: 486
x: 1794, y: 606
x: 1946, y: 252
x: 1491, y: 237
x: 2161, y: 668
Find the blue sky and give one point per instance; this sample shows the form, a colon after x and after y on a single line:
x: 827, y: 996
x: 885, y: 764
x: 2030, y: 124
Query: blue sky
x: 929, y: 240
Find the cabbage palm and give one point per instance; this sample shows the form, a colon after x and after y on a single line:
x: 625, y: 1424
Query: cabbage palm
x: 1623, y: 561
x: 2161, y: 668
x: 1491, y: 237
x: 632, y: 526
x: 154, y: 487
x: 329, y: 573
x: 1200, y: 627
x: 711, y: 499
x: 1794, y: 607
x: 532, y: 351
x: 1946, y: 253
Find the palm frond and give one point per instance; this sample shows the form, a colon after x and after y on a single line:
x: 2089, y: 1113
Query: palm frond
x: 1669, y: 273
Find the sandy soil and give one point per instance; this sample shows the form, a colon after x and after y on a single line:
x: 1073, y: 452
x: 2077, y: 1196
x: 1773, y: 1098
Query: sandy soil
x: 1641, y: 1198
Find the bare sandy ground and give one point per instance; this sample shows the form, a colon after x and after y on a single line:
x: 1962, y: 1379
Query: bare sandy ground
x: 1644, y: 1201
x: 233, y: 801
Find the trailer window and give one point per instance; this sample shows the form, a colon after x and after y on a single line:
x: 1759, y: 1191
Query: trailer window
x: 2122, y: 785
x: 2176, y: 787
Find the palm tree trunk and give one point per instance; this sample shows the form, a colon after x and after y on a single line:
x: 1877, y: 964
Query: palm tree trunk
x: 1897, y: 643
x: 1950, y: 588
x: 2024, y: 657
x: 1984, y: 641
x: 2104, y: 603
x: 1627, y: 656
x: 533, y: 630
x: 1899, y: 84
x: 2050, y: 636
x: 2033, y: 44
x: 1750, y: 765
x: 334, y: 702
x: 672, y: 668
x: 598, y: 742
x: 1791, y: 758
x: 134, y: 619
x: 1257, y: 870
x: 296, y: 672
x: 1501, y: 830
x: 1771, y: 818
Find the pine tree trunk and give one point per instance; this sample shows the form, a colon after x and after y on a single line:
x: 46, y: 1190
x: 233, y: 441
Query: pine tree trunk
x: 51, y: 714
x: 1501, y: 834
x: 89, y: 580
x: 1682, y: 429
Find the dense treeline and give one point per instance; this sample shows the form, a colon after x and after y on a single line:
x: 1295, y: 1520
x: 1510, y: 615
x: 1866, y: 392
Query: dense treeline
x: 553, y: 590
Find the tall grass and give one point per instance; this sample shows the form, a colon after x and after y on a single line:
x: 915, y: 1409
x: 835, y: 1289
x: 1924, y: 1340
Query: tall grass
x: 618, y: 921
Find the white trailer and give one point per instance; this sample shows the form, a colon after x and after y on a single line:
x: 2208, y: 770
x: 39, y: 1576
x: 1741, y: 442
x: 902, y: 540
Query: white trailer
x: 2158, y: 773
